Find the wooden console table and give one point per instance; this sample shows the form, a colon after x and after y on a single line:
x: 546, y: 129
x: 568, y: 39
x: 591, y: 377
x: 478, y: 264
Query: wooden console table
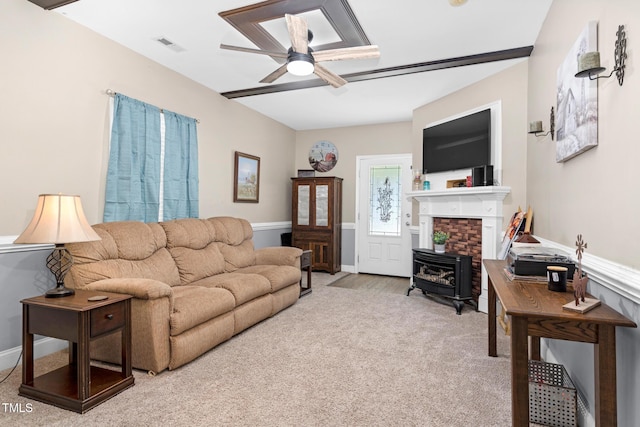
x: 77, y: 386
x: 537, y: 312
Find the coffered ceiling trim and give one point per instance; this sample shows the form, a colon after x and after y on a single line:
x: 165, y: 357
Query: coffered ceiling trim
x: 247, y: 21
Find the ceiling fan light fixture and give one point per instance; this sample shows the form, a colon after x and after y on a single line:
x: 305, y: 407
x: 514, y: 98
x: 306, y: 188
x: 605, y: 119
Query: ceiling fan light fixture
x: 456, y: 3
x: 300, y: 64
x: 300, y: 68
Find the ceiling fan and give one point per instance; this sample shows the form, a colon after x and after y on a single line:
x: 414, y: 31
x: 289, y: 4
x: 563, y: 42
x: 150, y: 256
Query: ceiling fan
x: 302, y: 60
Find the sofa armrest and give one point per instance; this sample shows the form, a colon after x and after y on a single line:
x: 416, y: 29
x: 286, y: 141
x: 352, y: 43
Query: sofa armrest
x: 279, y: 255
x: 151, y: 307
x: 136, y: 287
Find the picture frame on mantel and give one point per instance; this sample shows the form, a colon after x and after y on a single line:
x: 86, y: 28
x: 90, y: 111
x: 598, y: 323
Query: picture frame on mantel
x: 246, y: 182
x: 577, y: 101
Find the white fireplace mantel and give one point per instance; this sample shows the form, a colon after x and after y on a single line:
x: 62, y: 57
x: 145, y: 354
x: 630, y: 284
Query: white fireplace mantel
x: 484, y: 203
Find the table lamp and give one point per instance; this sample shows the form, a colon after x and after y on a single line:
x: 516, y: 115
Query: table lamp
x: 58, y: 219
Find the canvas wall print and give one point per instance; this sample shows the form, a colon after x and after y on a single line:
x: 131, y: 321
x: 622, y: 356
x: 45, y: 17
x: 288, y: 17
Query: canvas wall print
x: 577, y: 101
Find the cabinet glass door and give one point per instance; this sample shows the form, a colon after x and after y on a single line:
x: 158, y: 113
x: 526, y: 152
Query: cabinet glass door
x: 303, y: 204
x: 322, y: 205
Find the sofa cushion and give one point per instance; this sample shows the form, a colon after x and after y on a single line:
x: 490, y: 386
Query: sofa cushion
x: 244, y: 287
x: 135, y: 240
x: 236, y: 246
x: 279, y: 276
x: 232, y: 231
x: 192, y: 244
x: 236, y: 257
x: 126, y: 249
x: 194, y: 305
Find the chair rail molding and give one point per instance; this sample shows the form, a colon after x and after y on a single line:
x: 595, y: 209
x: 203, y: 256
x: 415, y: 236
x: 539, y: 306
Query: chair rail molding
x: 7, y: 245
x: 618, y: 278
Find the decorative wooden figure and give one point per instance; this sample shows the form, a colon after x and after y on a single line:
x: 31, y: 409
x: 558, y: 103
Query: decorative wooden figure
x: 579, y: 282
x: 582, y: 302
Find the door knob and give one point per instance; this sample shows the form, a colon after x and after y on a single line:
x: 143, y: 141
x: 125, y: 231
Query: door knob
x: 407, y: 223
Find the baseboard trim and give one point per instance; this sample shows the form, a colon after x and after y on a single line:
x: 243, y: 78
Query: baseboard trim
x: 348, y: 268
x: 41, y: 347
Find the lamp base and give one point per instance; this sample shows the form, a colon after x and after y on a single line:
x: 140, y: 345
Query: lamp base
x: 59, y: 291
x: 59, y: 262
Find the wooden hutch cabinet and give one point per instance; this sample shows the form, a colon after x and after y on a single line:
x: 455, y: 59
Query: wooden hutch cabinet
x: 316, y: 220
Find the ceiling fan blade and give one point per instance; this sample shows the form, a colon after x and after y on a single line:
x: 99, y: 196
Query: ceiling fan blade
x: 281, y: 71
x: 298, y: 33
x: 328, y: 76
x: 250, y: 50
x: 356, y: 52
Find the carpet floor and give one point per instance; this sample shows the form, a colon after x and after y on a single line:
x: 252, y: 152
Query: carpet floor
x: 338, y: 357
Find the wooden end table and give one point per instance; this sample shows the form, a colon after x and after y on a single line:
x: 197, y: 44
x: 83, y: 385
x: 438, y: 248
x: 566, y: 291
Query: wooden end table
x: 537, y: 312
x: 77, y: 386
x: 305, y: 264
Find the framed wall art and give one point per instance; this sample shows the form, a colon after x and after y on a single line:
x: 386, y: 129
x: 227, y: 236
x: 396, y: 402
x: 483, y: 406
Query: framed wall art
x: 246, y: 182
x: 577, y: 101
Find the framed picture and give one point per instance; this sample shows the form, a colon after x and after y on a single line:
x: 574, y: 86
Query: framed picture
x: 246, y: 183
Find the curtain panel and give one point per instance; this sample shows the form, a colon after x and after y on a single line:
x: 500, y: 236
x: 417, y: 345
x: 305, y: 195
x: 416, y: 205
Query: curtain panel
x: 133, y: 174
x: 153, y: 164
x: 180, y: 195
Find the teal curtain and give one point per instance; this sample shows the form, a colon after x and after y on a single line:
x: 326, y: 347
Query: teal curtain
x: 180, y: 196
x: 133, y: 174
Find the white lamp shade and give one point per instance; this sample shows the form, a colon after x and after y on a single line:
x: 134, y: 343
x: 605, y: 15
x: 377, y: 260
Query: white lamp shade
x: 300, y: 68
x: 58, y: 219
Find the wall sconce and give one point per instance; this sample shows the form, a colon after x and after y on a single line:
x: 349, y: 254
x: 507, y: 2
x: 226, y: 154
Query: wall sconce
x: 589, y: 63
x: 535, y: 128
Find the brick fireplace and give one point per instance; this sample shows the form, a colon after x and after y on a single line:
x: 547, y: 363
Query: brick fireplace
x: 465, y: 239
x: 474, y: 203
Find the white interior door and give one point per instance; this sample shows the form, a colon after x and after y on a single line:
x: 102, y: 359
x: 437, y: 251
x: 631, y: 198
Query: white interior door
x: 383, y: 215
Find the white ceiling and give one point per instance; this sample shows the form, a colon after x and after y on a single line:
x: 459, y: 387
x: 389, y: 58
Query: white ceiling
x: 407, y: 32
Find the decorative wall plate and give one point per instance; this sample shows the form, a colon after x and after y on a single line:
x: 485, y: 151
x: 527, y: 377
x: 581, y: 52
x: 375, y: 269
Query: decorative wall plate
x: 323, y: 156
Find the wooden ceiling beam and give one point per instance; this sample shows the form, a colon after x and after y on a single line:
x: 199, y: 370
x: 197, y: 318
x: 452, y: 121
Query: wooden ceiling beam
x: 461, y: 61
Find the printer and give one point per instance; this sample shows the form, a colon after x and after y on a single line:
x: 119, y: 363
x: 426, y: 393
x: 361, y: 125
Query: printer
x: 533, y: 260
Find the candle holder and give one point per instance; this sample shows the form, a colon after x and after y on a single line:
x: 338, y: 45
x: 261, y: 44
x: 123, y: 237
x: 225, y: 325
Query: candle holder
x: 535, y: 128
x: 589, y: 63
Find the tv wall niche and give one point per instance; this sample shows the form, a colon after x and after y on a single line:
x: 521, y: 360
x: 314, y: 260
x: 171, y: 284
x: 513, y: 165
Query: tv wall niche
x: 454, y: 145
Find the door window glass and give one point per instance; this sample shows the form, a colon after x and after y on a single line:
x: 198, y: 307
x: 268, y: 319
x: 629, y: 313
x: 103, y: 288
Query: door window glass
x: 384, y: 200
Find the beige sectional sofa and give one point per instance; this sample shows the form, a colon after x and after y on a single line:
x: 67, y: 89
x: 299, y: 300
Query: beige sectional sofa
x: 195, y: 283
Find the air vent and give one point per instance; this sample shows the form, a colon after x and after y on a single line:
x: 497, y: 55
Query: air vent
x: 171, y: 45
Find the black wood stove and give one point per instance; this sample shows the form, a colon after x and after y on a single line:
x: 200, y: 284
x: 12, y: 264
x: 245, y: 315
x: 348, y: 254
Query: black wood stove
x: 443, y: 275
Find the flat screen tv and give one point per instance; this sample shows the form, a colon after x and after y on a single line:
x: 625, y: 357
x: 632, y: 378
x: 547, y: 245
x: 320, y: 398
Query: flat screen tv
x: 461, y: 143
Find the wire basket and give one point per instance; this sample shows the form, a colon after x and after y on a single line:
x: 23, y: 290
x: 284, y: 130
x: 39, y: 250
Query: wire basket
x: 552, y: 396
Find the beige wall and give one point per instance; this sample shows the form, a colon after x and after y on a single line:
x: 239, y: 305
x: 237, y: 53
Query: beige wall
x: 54, y: 129
x: 595, y: 193
x: 390, y: 138
x: 510, y: 88
x: 54, y: 121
